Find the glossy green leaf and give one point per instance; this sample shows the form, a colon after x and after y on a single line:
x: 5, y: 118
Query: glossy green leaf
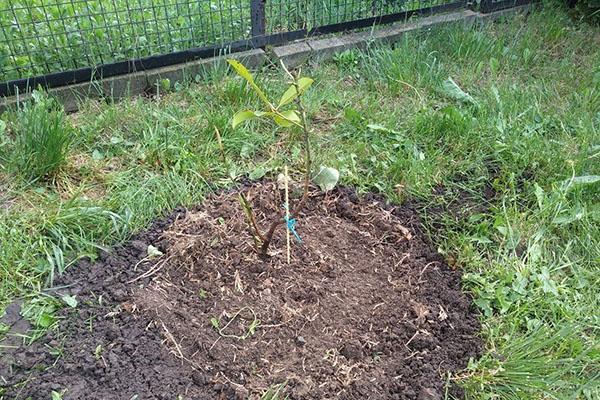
x: 244, y: 73
x: 244, y: 116
x: 287, y: 119
x: 291, y: 94
x: 241, y: 70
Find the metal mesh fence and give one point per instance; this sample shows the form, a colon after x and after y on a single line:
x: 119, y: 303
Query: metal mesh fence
x: 44, y: 36
x: 494, y: 5
x: 41, y: 37
x: 286, y: 15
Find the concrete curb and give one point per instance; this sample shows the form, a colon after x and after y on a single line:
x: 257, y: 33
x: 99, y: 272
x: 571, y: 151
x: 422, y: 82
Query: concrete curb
x: 295, y: 54
x: 292, y: 55
x: 135, y: 84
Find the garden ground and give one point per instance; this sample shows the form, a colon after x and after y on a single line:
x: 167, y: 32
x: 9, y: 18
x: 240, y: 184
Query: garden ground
x: 505, y: 180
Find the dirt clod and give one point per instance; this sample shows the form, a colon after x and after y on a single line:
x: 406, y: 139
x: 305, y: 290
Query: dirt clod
x: 355, y: 315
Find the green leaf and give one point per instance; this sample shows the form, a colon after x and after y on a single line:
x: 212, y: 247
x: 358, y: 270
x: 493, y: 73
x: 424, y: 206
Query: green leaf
x: 46, y: 320
x: 291, y: 94
x: 287, y: 119
x: 2, y: 127
x: 242, y: 116
x: 244, y: 73
x: 485, y: 306
x: 575, y: 213
x: 581, y: 180
x: 98, y: 352
x: 540, y: 196
x: 203, y: 294
x: 381, y: 128
x: 241, y: 70
x: 327, y: 178
x: 452, y: 90
x: 257, y: 173
x: 71, y: 301
x: 56, y: 396
x: 97, y: 155
x: 215, y: 323
x: 548, y: 284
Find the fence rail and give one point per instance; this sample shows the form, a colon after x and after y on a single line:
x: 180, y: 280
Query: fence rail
x: 59, y: 42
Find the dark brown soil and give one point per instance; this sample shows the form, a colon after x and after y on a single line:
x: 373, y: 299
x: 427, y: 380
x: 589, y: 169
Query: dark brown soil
x: 365, y: 310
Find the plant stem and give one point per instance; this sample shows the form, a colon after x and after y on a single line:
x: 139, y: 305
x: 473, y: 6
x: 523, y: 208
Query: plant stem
x: 251, y: 219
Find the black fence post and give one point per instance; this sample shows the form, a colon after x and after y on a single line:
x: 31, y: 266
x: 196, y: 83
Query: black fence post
x: 257, y: 16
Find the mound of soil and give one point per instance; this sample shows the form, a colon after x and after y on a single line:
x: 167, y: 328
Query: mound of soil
x: 365, y: 309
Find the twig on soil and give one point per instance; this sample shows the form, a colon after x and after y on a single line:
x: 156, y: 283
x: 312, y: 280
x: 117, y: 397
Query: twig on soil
x: 157, y: 267
x: 412, y: 338
x: 425, y: 268
x: 139, y: 262
x: 404, y: 257
x: 172, y: 339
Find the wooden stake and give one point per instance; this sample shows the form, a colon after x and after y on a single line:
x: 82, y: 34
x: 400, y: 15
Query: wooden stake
x: 287, y: 212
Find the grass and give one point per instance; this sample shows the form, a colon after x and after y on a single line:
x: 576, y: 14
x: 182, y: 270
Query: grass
x: 530, y: 253
x: 40, y: 142
x: 43, y: 36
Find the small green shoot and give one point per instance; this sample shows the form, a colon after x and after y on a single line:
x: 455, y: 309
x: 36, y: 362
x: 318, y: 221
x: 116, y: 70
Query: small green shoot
x: 275, y: 392
x: 58, y: 395
x: 250, y: 330
x: 98, y: 352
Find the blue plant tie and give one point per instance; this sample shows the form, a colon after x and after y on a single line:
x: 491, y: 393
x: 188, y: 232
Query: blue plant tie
x: 291, y: 225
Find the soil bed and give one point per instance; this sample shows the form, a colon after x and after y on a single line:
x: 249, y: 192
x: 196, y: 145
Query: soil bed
x: 366, y: 309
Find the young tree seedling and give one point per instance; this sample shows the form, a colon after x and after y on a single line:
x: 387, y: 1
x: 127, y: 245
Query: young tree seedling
x: 285, y: 116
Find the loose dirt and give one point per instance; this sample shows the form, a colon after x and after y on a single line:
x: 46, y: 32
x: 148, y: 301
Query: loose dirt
x: 366, y: 309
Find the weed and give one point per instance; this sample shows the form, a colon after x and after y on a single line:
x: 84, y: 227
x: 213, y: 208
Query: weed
x: 275, y: 392
x: 58, y: 395
x: 203, y: 294
x: 98, y: 352
x: 249, y: 331
x: 40, y: 140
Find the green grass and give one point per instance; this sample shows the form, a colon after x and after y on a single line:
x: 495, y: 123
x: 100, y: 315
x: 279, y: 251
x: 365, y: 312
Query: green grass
x: 43, y: 36
x: 40, y: 143
x: 530, y: 254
